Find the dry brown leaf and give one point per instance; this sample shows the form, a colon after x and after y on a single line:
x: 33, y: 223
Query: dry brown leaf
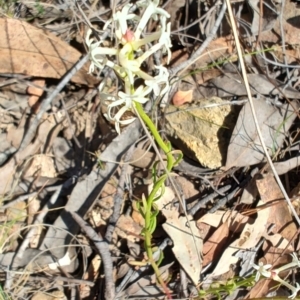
x: 250, y: 191
x: 174, y: 8
x: 142, y: 158
x: 186, y: 246
x: 8, y: 172
x: 295, y: 193
x: 138, y: 218
x: 291, y: 55
x: 235, y: 220
x: 285, y: 166
x: 126, y: 228
x: 283, y: 232
x: 55, y: 295
x: 280, y: 215
x: 245, y: 148
x: 25, y: 49
x: 262, y: 23
x: 188, y: 188
x: 90, y: 275
x: 204, y: 230
x: 278, y: 242
x: 214, y: 219
x: 206, y: 75
x: 107, y: 199
x: 40, y: 165
x: 231, y: 84
x: 33, y: 207
x: 182, y: 97
x: 215, y: 244
x: 12, y: 231
x: 249, y: 238
x: 178, y: 57
x: 15, y: 134
x: 219, y: 48
x: 276, y: 259
x: 34, y: 90
x: 166, y: 200
x: 17, y: 212
x: 35, y: 94
x: 291, y: 33
x: 226, y: 222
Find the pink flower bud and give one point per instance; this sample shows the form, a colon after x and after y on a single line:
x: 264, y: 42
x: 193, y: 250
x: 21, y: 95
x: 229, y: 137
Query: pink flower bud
x: 129, y: 35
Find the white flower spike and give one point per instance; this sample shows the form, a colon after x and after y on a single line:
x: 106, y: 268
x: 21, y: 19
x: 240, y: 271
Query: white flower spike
x: 130, y: 52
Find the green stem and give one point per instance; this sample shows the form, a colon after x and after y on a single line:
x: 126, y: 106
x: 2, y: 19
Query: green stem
x: 151, y: 127
x: 150, y: 211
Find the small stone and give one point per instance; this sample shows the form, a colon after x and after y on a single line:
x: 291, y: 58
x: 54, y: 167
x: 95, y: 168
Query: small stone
x: 202, y: 133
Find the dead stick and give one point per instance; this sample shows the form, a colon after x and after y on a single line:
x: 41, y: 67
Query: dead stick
x: 47, y: 102
x: 103, y: 249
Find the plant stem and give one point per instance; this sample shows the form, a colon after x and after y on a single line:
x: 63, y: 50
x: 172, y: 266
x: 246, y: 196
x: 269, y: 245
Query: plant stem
x: 149, y: 210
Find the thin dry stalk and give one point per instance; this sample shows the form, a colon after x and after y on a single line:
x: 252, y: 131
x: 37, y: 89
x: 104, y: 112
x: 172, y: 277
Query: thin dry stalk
x: 103, y: 248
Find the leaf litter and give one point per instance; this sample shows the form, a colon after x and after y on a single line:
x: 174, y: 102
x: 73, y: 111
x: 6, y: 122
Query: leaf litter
x: 61, y: 172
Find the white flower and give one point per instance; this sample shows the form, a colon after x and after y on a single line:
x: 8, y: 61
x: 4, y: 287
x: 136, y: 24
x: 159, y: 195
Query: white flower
x: 117, y: 118
x: 148, y: 53
x: 98, y: 54
x: 98, y: 57
x: 165, y: 39
x: 164, y: 42
x: 139, y: 95
x: 120, y: 18
x: 127, y: 101
x: 262, y: 270
x: 161, y: 79
x: 149, y: 38
x: 126, y: 61
x: 88, y: 40
x: 294, y: 263
x: 295, y: 291
x: 152, y: 10
x: 289, y: 286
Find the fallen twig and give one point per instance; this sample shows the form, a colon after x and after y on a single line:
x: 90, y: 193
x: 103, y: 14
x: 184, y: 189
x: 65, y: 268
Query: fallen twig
x: 208, y: 198
x: 46, y: 103
x: 71, y: 281
x: 118, y: 197
x: 102, y: 247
